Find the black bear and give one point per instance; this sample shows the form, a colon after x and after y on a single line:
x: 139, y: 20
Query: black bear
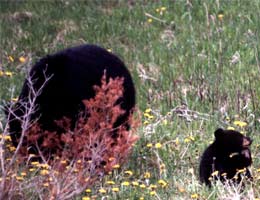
x: 229, y: 153
x: 62, y: 81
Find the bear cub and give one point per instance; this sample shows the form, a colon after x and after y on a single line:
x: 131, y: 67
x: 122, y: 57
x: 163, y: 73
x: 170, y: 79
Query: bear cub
x: 229, y: 153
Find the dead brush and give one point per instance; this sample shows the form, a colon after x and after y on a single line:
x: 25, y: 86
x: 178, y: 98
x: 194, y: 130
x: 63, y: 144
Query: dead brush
x: 75, y: 159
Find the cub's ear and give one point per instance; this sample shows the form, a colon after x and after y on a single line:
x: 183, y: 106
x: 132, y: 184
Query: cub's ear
x: 218, y: 132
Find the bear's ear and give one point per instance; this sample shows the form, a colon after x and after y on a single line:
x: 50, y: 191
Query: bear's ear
x: 218, y: 132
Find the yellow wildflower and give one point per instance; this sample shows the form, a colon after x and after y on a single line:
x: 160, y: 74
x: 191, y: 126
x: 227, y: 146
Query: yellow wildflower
x: 110, y: 182
x: 150, y: 20
x: 152, y: 193
x: 149, y: 145
x: 102, y: 191
x: 19, y: 178
x: 116, y: 166
x: 230, y: 128
x: 9, y: 73
x: 44, y: 172
x: 146, y: 122
x: 11, y: 58
x: 158, y: 145
x: 163, y: 8
x: 240, y: 123
x: 148, y: 110
x: 135, y: 183
x: 152, y: 187
x: 128, y: 172
x: 162, y: 183
x: 147, y: 175
x: 115, y: 189
x: 125, y: 183
x: 45, y: 184
x: 22, y: 59
x: 1, y: 73
x: 88, y: 190
x: 215, y: 173
x: 194, y: 196
x: 142, y: 186
x: 86, y: 198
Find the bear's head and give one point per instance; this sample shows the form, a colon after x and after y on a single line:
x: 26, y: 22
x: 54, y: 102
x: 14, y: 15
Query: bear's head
x: 234, y: 146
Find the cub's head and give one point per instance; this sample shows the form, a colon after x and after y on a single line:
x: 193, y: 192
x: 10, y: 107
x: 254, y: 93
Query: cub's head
x: 232, y: 142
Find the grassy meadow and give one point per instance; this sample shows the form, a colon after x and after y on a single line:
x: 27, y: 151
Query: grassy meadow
x: 196, y: 67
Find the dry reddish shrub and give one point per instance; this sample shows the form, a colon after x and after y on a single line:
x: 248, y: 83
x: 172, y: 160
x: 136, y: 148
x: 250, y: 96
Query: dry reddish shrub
x: 76, y: 158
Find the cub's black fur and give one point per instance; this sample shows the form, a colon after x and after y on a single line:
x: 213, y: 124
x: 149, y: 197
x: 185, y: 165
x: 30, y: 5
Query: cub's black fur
x: 229, y: 153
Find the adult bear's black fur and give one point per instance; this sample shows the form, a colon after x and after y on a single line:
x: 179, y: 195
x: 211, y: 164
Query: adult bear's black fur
x: 228, y: 153
x: 73, y: 73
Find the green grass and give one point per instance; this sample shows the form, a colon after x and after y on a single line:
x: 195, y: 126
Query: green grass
x: 186, y: 53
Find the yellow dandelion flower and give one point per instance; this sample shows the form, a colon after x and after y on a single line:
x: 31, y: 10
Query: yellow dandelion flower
x: 35, y: 163
x: 102, y: 191
x: 152, y: 187
x: 110, y: 183
x: 163, y: 8
x: 150, y: 20
x: 220, y: 17
x: 129, y: 172
x: 162, y: 183
x: 15, y: 99
x: 152, y: 193
x: 44, y: 172
x: 241, y: 170
x: 88, y: 190
x: 7, y: 137
x: 230, y: 128
x: 147, y: 175
x: 224, y: 174
x: 86, y: 198
x: 157, y: 10
x: 192, y: 138
x: 79, y: 161
x: 23, y: 174
x: 187, y: 140
x: 258, y: 170
x: 45, y: 184
x: 215, y: 173
x: 12, y: 148
x: 148, y: 110
x: 19, y: 178
x: 111, y: 159
x: 1, y: 73
x: 146, y: 122
x: 125, y: 183
x: 240, y: 123
x: 9, y: 73
x: 158, y: 145
x: 63, y: 161
x: 194, y: 196
x: 22, y: 59
x: 11, y: 58
x: 32, y: 169
x: 116, y: 166
x: 135, y: 183
x: 177, y: 141
x: 149, y: 145
x: 142, y: 186
x: 115, y: 189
